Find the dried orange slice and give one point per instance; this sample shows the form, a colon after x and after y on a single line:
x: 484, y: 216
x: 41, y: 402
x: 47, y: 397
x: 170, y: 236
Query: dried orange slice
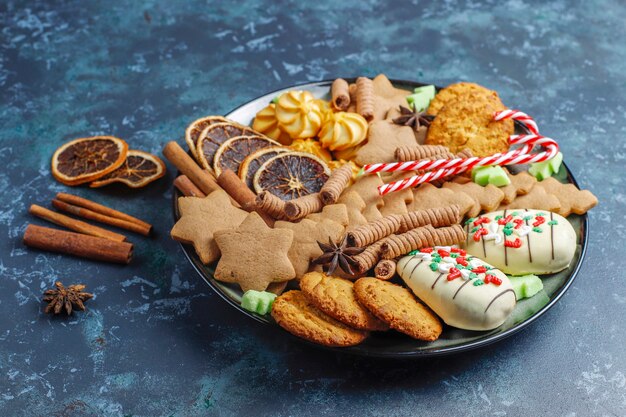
x: 212, y: 138
x: 231, y: 153
x: 291, y: 175
x: 86, y: 159
x: 138, y: 170
x: 196, y: 127
x: 253, y: 162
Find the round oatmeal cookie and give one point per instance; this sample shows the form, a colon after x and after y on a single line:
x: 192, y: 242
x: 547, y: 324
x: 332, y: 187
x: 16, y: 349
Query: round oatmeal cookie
x: 467, y: 122
x: 296, y: 314
x: 396, y: 306
x: 453, y: 91
x: 335, y: 297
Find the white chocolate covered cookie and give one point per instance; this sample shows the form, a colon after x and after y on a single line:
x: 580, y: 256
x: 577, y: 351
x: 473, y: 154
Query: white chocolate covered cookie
x: 463, y: 290
x: 522, y: 241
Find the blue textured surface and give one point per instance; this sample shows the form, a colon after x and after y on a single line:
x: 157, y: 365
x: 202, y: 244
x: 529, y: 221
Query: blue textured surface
x: 155, y: 340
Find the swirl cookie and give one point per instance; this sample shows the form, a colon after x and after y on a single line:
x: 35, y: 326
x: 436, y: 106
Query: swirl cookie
x: 335, y: 297
x: 464, y: 291
x: 296, y: 314
x: 396, y: 306
x: 522, y: 241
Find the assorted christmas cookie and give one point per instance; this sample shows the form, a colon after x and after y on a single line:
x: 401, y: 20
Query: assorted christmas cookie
x: 522, y: 241
x: 465, y: 291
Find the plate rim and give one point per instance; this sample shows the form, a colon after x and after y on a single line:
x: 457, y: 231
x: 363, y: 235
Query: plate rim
x: 416, y: 354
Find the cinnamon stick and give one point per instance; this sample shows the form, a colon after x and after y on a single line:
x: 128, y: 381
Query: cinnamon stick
x: 187, y: 188
x: 99, y: 208
x: 74, y: 224
x: 185, y: 164
x: 239, y: 191
x: 77, y: 244
x: 102, y: 218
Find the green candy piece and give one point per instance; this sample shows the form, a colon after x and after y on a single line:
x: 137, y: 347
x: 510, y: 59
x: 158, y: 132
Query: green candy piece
x: 507, y: 232
x: 259, y: 302
x: 537, y: 229
x: 552, y: 223
x: 421, y: 97
x: 546, y: 169
x: 492, y: 174
x: 526, y: 286
x: 434, y: 266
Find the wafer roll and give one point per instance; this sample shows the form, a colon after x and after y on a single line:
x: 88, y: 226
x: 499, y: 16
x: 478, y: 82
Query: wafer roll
x: 338, y: 181
x: 385, y: 269
x: 398, y: 245
x: 417, y: 152
x: 374, y: 231
x: 436, y: 217
x: 369, y: 257
x: 365, y: 98
x: 303, y: 206
x: 272, y: 205
x: 340, y: 93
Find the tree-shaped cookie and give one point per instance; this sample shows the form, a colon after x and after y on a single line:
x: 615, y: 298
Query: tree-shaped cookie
x: 366, y: 186
x: 520, y: 184
x: 397, y: 202
x: 201, y: 218
x: 487, y: 198
x: 355, y: 207
x: 254, y: 255
x: 428, y: 196
x: 383, y: 138
x: 572, y: 199
x: 537, y: 198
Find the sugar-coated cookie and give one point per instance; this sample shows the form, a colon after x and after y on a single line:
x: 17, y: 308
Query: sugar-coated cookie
x: 335, y: 297
x: 396, y: 306
x: 463, y: 290
x: 296, y: 314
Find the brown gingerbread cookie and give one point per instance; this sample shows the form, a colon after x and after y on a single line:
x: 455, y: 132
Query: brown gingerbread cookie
x: 355, y: 207
x: 396, y: 306
x: 201, y: 218
x: 520, y: 184
x: 383, y: 138
x: 572, y: 199
x: 537, y: 198
x: 335, y: 212
x: 427, y: 196
x: 453, y: 91
x: 254, y: 255
x: 366, y: 186
x: 306, y: 234
x: 486, y: 198
x: 397, y: 202
x: 335, y: 297
x: 296, y: 314
x: 467, y: 122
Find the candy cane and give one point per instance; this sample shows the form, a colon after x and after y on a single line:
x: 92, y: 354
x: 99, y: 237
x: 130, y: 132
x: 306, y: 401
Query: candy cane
x: 520, y: 116
x: 446, y: 167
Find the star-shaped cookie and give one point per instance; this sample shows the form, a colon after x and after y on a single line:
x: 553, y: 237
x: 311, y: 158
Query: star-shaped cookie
x: 520, y: 184
x: 571, y: 198
x: 383, y: 138
x: 306, y: 234
x: 201, y: 218
x: 355, y: 206
x: 254, y: 255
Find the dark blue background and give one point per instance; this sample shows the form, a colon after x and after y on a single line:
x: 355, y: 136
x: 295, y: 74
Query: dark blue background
x: 156, y: 340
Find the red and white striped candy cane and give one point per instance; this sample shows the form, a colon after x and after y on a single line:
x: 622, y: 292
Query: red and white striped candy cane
x: 520, y: 116
x: 447, y: 167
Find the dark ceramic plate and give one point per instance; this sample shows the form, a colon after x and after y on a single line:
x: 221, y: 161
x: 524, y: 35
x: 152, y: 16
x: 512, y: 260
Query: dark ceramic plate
x: 392, y: 344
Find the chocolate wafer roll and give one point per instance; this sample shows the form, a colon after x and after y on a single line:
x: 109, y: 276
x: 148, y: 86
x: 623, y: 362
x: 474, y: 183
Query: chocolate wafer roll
x: 417, y: 152
x: 365, y: 98
x: 436, y: 217
x: 369, y: 257
x: 271, y: 204
x: 374, y: 231
x: 338, y: 181
x: 340, y: 93
x: 385, y: 269
x: 303, y: 206
x: 398, y: 245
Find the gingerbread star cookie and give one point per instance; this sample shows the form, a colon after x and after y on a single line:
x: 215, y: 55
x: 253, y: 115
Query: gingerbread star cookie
x: 572, y: 199
x: 537, y: 198
x: 383, y: 138
x: 366, y: 186
x: 520, y: 184
x: 335, y: 212
x: 487, y: 198
x: 254, y: 255
x: 428, y: 196
x: 201, y: 218
x: 355, y: 207
x: 306, y: 234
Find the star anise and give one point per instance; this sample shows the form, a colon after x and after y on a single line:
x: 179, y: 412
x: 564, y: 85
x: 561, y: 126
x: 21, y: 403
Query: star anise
x: 69, y: 298
x: 413, y: 118
x: 337, y: 255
